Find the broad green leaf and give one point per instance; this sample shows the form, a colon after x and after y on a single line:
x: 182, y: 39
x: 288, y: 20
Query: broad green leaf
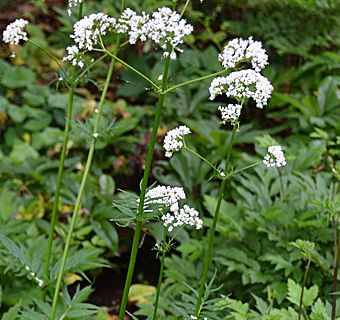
x: 18, y: 77
x: 8, y: 204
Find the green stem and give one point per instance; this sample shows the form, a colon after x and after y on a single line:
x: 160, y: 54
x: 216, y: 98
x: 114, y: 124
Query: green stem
x: 185, y: 7
x: 160, y: 276
x: 208, y: 256
x: 193, y: 81
x: 281, y: 185
x: 131, y: 68
x: 89, y: 67
x: 244, y: 168
x: 199, y: 156
x: 303, y: 288
x: 336, y: 262
x: 83, y: 182
x: 61, y: 162
x: 49, y: 53
x: 60, y: 172
x: 80, y: 11
x: 139, y: 217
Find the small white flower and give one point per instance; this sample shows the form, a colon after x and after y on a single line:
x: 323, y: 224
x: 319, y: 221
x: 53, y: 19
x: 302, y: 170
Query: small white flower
x: 95, y: 135
x: 174, y: 140
x: 71, y: 4
x: 238, y: 50
x: 14, y: 32
x: 243, y: 84
x: 74, y: 56
x: 160, y: 78
x: 32, y: 274
x: 230, y: 113
x: 275, y: 157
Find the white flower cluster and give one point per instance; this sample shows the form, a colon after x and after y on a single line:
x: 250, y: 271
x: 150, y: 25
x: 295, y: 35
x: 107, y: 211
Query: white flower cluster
x: 32, y: 274
x: 275, y: 157
x: 71, y: 4
x: 238, y: 50
x: 230, y: 113
x: 168, y: 197
x: 134, y: 25
x: 164, y: 27
x: 86, y: 34
x: 167, y: 28
x: 184, y: 216
x: 174, y: 140
x: 243, y: 84
x: 14, y: 32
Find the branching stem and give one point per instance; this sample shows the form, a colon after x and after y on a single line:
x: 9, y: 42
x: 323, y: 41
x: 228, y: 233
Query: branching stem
x: 160, y: 276
x: 139, y: 217
x: 208, y: 255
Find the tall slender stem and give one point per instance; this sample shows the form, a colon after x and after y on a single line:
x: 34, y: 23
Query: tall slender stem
x: 281, y: 184
x: 48, y: 52
x: 139, y: 217
x: 160, y: 276
x: 199, y: 156
x: 62, y: 160
x: 243, y: 169
x: 194, y: 80
x: 335, y: 267
x: 60, y: 172
x: 131, y: 68
x: 83, y: 181
x: 303, y: 288
x: 208, y: 256
x: 184, y: 8
x: 336, y: 258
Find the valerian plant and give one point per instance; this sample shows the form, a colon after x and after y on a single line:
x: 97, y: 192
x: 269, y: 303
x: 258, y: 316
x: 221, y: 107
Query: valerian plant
x: 239, y: 81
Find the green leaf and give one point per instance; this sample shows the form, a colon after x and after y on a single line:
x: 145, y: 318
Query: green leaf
x: 12, y: 313
x: 327, y: 93
x: 107, y: 185
x: 21, y: 152
x: 8, y: 204
x: 294, y: 293
x: 18, y: 77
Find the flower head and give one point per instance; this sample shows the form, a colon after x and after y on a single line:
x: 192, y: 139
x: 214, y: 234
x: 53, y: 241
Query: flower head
x: 174, y: 140
x: 239, y: 50
x: 172, y: 214
x: 165, y: 196
x: 134, y: 25
x: 243, y: 84
x: 183, y: 216
x: 87, y: 31
x: 74, y: 56
x: 230, y: 113
x: 167, y: 29
x: 274, y: 157
x: 14, y: 32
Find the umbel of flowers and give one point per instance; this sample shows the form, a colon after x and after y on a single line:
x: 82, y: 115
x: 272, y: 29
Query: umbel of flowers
x: 165, y: 28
